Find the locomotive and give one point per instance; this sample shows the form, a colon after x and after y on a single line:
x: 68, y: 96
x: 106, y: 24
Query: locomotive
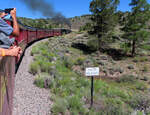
x: 8, y: 64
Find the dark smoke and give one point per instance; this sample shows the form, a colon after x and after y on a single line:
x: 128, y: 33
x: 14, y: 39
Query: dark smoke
x: 41, y: 6
x: 59, y: 18
x: 46, y: 9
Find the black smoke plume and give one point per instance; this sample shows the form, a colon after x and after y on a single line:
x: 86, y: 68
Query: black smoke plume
x: 46, y: 9
x: 59, y: 18
x: 41, y: 6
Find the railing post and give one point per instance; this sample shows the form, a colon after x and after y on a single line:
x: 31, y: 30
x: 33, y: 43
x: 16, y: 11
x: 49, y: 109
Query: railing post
x: 7, y: 76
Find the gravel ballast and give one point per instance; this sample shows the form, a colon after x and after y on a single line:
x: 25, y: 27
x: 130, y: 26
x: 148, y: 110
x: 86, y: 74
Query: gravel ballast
x: 29, y: 99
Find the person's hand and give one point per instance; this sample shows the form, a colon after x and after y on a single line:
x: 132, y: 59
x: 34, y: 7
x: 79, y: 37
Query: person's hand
x: 13, y: 13
x: 14, y: 51
x: 19, y: 54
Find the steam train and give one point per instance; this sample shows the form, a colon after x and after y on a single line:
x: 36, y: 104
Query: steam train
x: 29, y: 34
x: 8, y: 63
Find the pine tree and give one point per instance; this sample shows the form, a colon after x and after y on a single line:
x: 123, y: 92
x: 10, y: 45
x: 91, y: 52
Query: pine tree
x: 103, y: 18
x: 135, y: 29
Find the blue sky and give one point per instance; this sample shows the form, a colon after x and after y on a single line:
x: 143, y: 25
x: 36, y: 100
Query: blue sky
x: 68, y: 8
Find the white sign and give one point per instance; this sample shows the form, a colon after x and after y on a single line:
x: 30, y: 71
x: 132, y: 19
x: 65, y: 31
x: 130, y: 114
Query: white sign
x: 92, y: 71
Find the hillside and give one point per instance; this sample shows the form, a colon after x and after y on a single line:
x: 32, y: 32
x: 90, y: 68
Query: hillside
x: 122, y: 88
x: 79, y: 21
x: 74, y: 23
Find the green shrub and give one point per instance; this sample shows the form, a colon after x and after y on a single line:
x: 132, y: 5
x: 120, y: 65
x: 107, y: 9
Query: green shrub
x: 145, y: 78
x: 45, y: 66
x: 116, y: 69
x: 145, y: 68
x: 75, y: 103
x: 146, y: 47
x: 59, y: 107
x: 127, y: 78
x: 114, y: 92
x: 101, y: 63
x: 143, y: 59
x: 35, y: 50
x: 116, y: 107
x: 67, y: 61
x: 126, y: 47
x: 130, y: 67
x: 84, y: 82
x: 34, y: 68
x: 80, y: 60
x: 86, y: 27
x: 141, y: 86
x: 98, y: 85
x: 43, y: 80
x: 140, y: 101
x: 120, y: 70
x: 140, y: 59
x: 39, y: 81
x: 43, y: 63
x: 135, y: 60
x: 93, y: 43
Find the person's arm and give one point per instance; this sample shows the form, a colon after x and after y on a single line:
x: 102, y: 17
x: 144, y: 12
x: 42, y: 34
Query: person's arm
x: 15, y: 24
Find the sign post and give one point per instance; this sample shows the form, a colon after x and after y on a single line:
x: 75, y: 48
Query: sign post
x: 92, y: 71
x: 92, y: 90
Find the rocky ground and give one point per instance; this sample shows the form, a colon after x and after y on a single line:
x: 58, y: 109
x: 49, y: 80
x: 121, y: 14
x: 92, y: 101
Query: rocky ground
x: 29, y: 99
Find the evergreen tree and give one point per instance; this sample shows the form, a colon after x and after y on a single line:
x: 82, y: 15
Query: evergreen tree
x: 135, y: 29
x: 103, y: 18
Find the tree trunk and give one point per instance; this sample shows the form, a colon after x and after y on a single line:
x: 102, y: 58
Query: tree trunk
x: 133, y: 47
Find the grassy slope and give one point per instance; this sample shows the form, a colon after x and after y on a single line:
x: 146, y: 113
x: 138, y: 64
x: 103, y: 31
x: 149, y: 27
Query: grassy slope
x: 60, y: 67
